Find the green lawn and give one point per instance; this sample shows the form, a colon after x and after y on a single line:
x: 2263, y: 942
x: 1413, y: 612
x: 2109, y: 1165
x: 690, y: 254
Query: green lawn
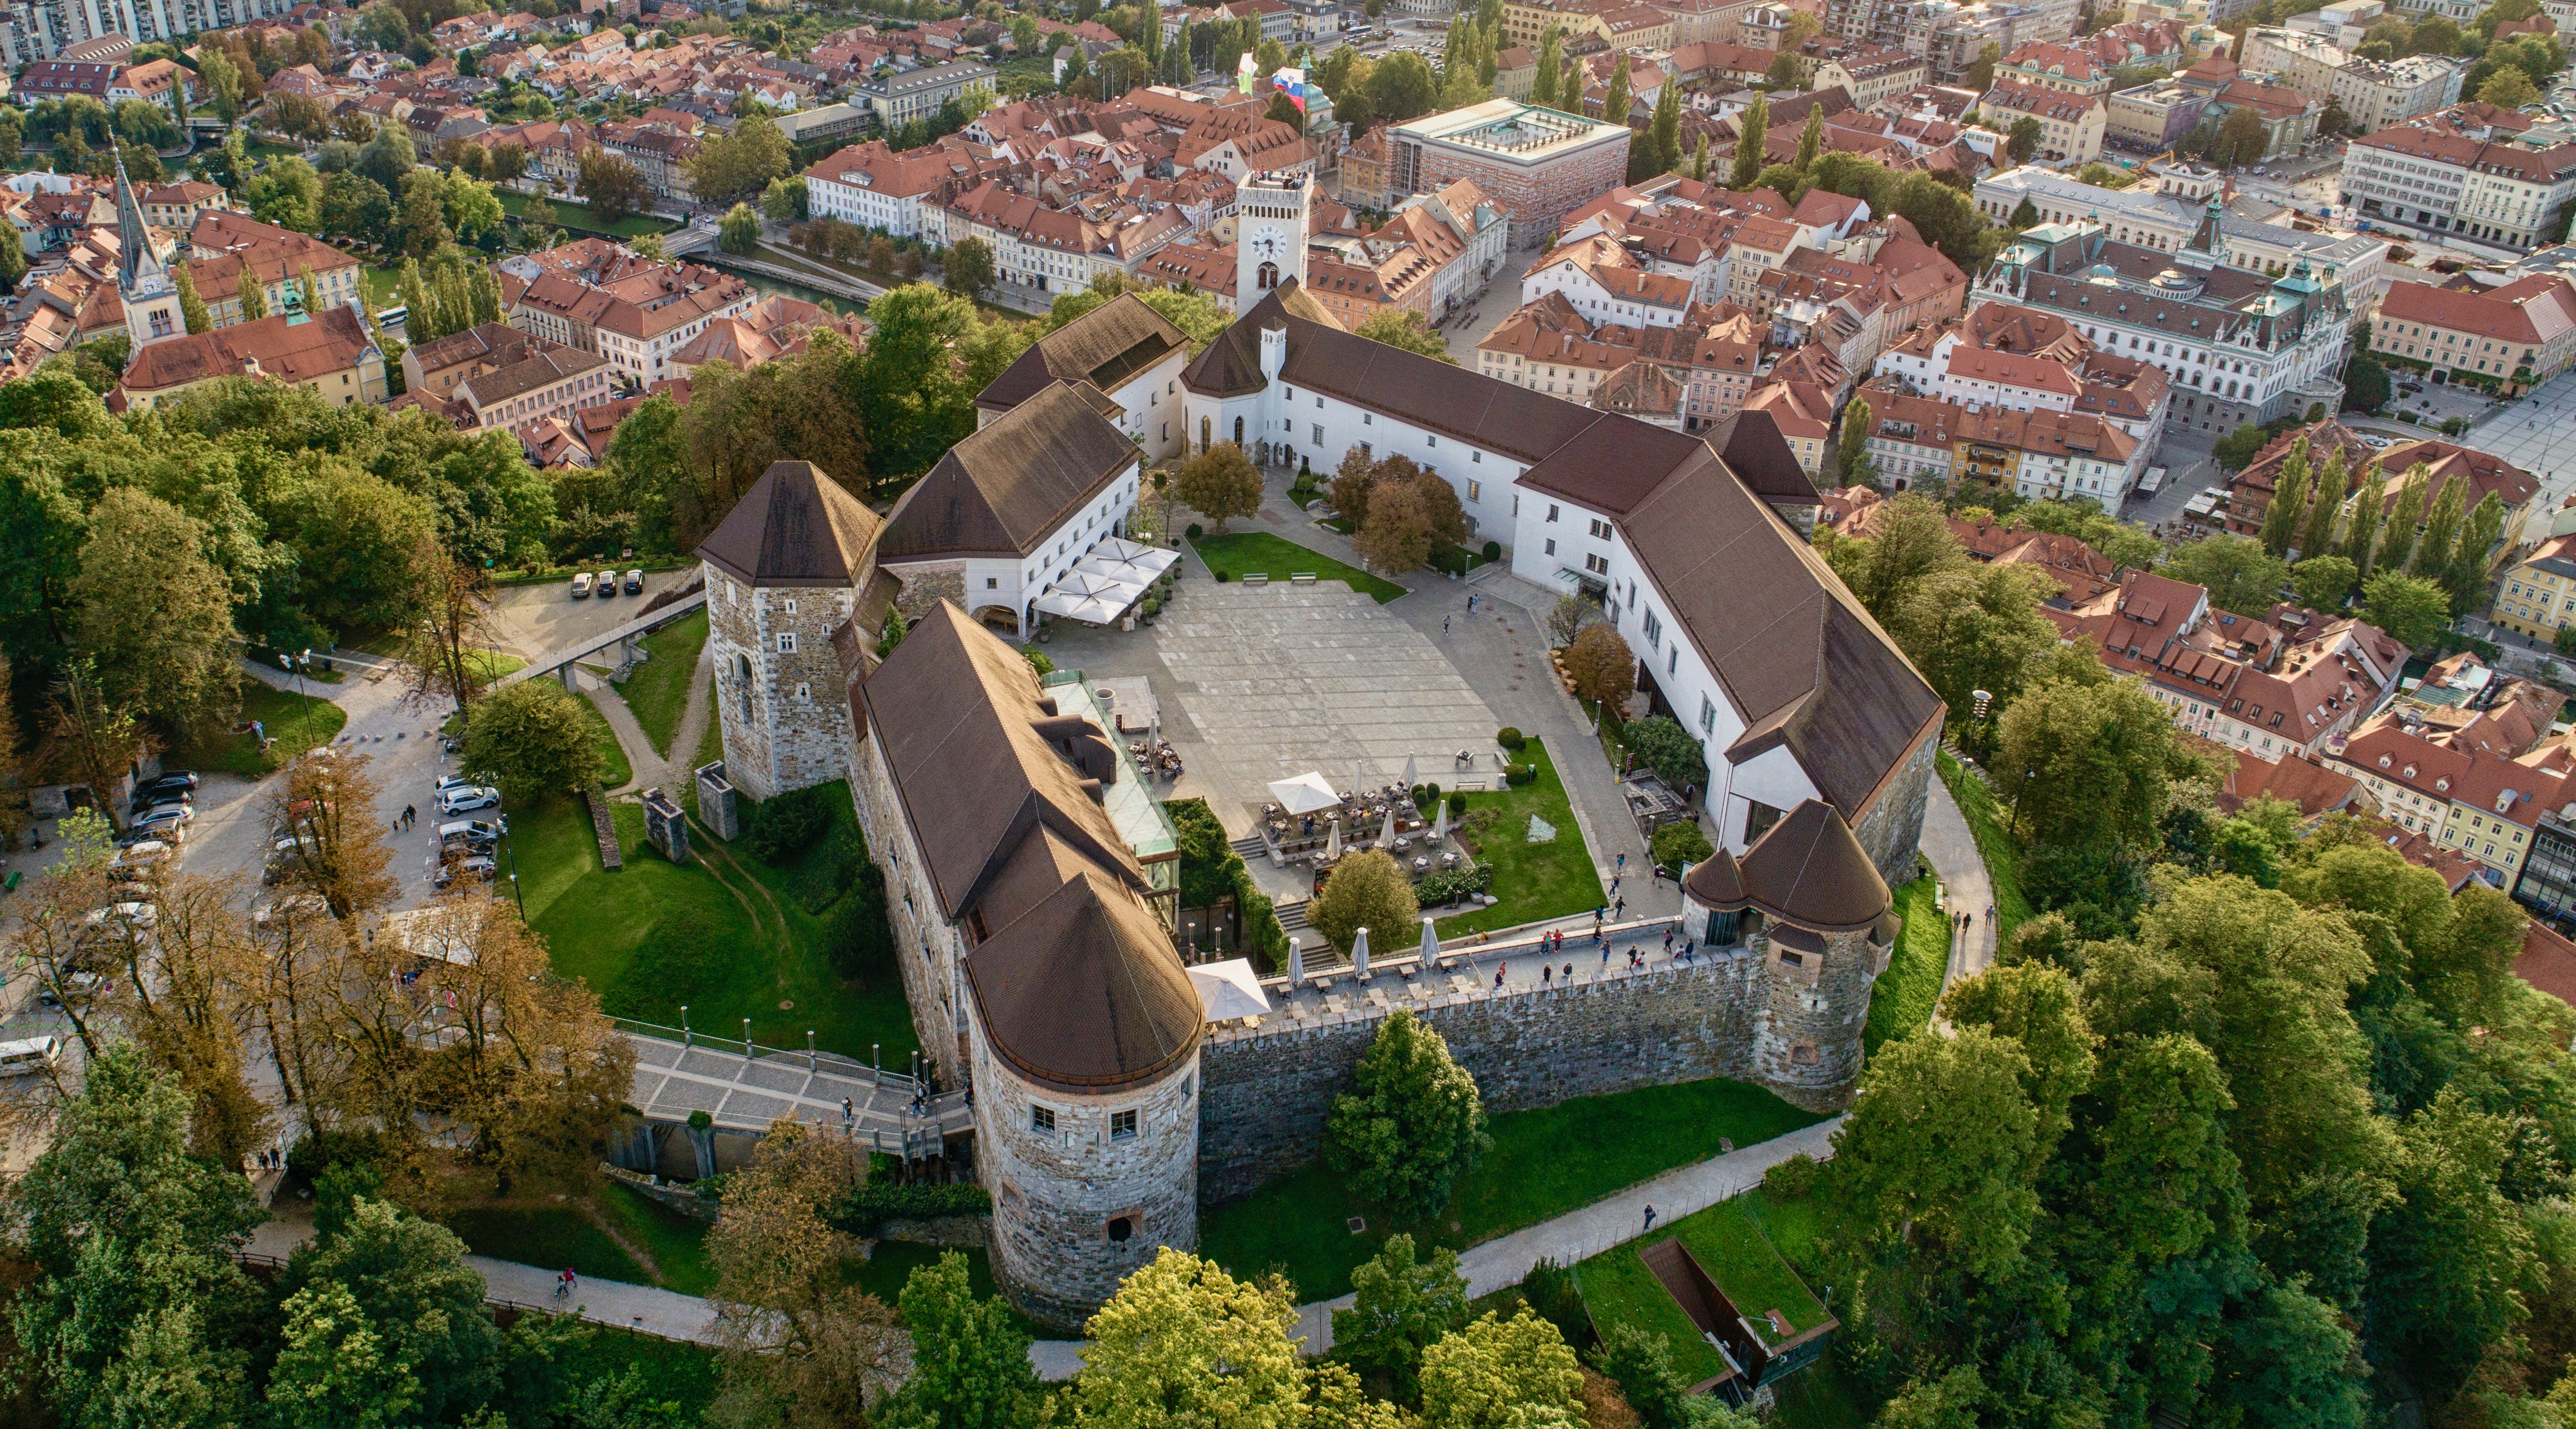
x: 554, y: 1236
x: 658, y: 691
x: 655, y: 936
x: 1990, y: 822
x: 1533, y: 881
x: 1543, y: 1164
x: 677, y: 1243
x: 291, y: 725
x: 892, y: 1263
x: 1252, y: 553
x: 1728, y: 1241
x: 576, y: 219
x: 615, y: 772
x: 1901, y: 1005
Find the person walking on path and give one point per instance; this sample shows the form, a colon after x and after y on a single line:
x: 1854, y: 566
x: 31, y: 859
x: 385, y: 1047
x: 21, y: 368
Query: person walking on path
x: 1546, y: 974
x: 1444, y: 625
x: 1650, y: 1218
x: 1620, y: 908
x: 1498, y: 973
x: 409, y: 814
x: 1621, y: 866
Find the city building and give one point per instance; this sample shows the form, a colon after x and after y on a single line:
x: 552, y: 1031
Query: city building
x: 2537, y: 596
x: 1536, y: 165
x: 2461, y: 788
x: 597, y: 297
x: 2153, y: 116
x: 898, y: 97
x: 2372, y: 93
x: 328, y: 353
x: 2463, y: 171
x: 2506, y: 339
x: 2168, y: 209
x: 1124, y: 349
x: 875, y: 187
x: 2071, y: 125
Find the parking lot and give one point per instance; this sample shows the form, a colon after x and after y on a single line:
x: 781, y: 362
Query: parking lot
x: 531, y: 620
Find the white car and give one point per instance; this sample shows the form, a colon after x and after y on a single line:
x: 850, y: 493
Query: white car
x: 136, y: 915
x: 461, y: 781
x: 467, y: 800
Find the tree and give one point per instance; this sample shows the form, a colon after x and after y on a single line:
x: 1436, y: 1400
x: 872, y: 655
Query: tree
x: 1981, y: 71
x: 2412, y: 609
x: 2322, y: 582
x: 2085, y: 760
x: 355, y: 205
x: 95, y: 739
x: 472, y: 208
x: 2326, y: 510
x: 308, y: 291
x: 2024, y: 215
x: 222, y: 84
x: 192, y: 309
x: 1602, y: 666
x: 2437, y: 546
x: 2237, y: 572
x: 2022, y: 142
x: 1811, y: 140
x: 2289, y: 500
x: 1410, y: 512
x: 403, y: 1282
x: 287, y: 193
x: 1551, y: 55
x: 1413, y: 1122
x: 333, y: 1370
x: 1400, y: 1307
x: 1619, y: 99
x: 2405, y: 517
x: 184, y: 989
x: 1937, y: 1146
x: 1366, y: 890
x: 970, y: 1358
x: 536, y: 740
x: 2035, y: 1005
x: 2370, y: 505
x: 1974, y: 626
x: 1641, y: 1364
x: 2242, y: 139
x: 1406, y: 330
x: 741, y: 163
x: 389, y: 158
x: 1668, y: 749
x: 1857, y: 426
x: 967, y: 268
x: 2508, y: 88
x: 804, y: 1345
x: 1219, y: 483
x: 1182, y: 1342
x: 328, y: 807
x: 254, y: 298
x: 1751, y: 125
x: 1401, y: 87
x: 2467, y: 578
x: 2240, y: 446
x: 1501, y: 1374
x: 1663, y: 133
x: 155, y: 615
x: 2452, y: 1246
x: 740, y: 229
x: 137, y: 1297
x: 1914, y: 542
x: 614, y: 187
x: 2365, y: 383
x: 2288, y: 1362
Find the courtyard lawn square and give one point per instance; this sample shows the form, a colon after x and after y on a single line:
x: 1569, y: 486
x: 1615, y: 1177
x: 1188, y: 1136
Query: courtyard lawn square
x: 1532, y: 881
x: 1258, y: 553
x: 1729, y: 1242
x: 725, y: 936
x: 1543, y: 1164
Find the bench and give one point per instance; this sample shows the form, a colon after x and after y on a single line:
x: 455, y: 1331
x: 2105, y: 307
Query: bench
x: 1301, y: 578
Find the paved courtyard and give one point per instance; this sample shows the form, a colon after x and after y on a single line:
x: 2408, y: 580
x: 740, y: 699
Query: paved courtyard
x: 2538, y: 434
x: 1278, y: 680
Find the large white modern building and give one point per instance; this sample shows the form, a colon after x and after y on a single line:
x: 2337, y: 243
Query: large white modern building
x: 2462, y: 171
x: 2165, y: 212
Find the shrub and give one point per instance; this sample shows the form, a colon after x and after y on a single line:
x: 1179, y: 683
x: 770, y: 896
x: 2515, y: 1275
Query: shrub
x: 1518, y: 774
x: 862, y: 1211
x: 1194, y: 532
x: 785, y: 825
x: 1511, y: 739
x: 1457, y: 806
x: 1676, y: 844
x: 1449, y: 885
x: 1794, y: 1179
x: 1038, y: 660
x: 1493, y: 551
x: 1668, y: 749
x: 1425, y: 797
x: 1551, y: 1290
x: 1369, y: 891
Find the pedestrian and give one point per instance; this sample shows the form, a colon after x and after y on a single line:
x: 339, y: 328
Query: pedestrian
x: 1620, y: 908
x: 1546, y: 974
x: 848, y: 1112
x: 1614, y: 884
x: 1668, y: 942
x: 1650, y: 1218
x: 1659, y: 875
x: 1569, y: 972
x: 1498, y: 973
x: 1622, y: 865
x: 1605, y: 953
x: 1444, y: 625
x: 1597, y: 911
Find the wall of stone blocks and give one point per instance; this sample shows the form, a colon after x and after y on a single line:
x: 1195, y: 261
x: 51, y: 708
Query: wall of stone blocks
x: 1893, y: 828
x: 1269, y: 1088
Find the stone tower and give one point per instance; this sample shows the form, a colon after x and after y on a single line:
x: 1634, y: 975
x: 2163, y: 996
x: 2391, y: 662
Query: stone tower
x: 1271, y: 210
x: 1808, y: 903
x: 150, y: 294
x: 785, y: 571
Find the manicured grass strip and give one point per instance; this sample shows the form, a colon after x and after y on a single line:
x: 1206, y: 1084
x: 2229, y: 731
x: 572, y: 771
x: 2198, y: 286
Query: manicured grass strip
x: 1253, y: 553
x: 1543, y: 1164
x: 289, y: 722
x: 1533, y: 881
x: 1730, y: 1245
x: 1901, y: 1005
x: 658, y: 691
x: 551, y: 1236
x: 655, y: 936
x: 614, y: 769
x: 576, y: 219
x: 677, y: 1243
x: 1991, y: 823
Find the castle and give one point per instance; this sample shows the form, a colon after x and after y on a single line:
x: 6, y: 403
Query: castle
x: 1035, y: 942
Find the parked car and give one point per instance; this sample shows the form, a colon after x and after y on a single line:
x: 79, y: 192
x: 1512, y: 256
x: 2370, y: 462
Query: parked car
x: 462, y: 781
x: 479, y: 867
x: 581, y: 586
x: 476, y: 834
x: 466, y: 801
x: 140, y: 853
x: 635, y: 581
x: 29, y: 1054
x: 132, y: 915
x: 77, y: 986
x: 166, y: 814
x: 181, y: 779
x: 165, y: 799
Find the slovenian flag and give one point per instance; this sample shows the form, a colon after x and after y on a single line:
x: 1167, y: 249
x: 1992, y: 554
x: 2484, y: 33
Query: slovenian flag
x: 1291, y: 82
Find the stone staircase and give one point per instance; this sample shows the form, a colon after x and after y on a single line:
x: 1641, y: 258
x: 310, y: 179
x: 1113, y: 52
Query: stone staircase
x: 1292, y: 916
x: 1251, y: 847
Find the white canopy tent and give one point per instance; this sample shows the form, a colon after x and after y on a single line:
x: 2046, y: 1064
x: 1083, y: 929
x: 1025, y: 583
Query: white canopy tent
x: 1098, y: 610
x: 1121, y: 572
x: 1305, y: 794
x: 1229, y: 989
x: 1152, y: 558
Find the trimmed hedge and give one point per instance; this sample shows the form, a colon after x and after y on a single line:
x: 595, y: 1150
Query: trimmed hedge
x: 1518, y: 774
x: 862, y: 1211
x: 1511, y: 739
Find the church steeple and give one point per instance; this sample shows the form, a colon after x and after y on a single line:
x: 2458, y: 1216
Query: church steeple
x: 136, y: 259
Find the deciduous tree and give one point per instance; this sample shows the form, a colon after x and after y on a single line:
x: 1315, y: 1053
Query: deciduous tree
x: 2410, y: 608
x: 804, y: 1346
x: 327, y: 806
x: 970, y: 1358
x: 535, y: 738
x: 2238, y: 573
x: 967, y: 268
x: 1501, y: 1374
x: 1750, y: 125
x: 2282, y: 519
x: 1412, y: 1123
x: 1604, y: 669
x: 1401, y: 1305
x: 1219, y: 484
x: 2080, y: 760
x: 1406, y: 330
x: 2322, y: 582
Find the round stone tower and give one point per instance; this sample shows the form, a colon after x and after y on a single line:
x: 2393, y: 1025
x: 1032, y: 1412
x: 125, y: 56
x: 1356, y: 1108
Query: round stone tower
x: 1083, y: 1039
x: 1806, y: 900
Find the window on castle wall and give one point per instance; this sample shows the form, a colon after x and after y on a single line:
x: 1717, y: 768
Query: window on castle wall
x: 1804, y: 1054
x: 1041, y: 1118
x: 1122, y: 1125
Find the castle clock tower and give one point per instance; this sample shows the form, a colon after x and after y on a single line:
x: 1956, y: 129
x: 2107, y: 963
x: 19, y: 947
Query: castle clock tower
x: 1271, y: 211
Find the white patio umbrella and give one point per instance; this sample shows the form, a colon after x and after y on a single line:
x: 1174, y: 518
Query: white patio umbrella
x: 1153, y: 558
x: 1229, y: 989
x: 1304, y: 794
x: 1359, y: 955
x: 1296, y: 961
x: 1409, y: 779
x: 1440, y: 822
x: 1333, y: 842
x: 1359, y: 780
x: 1386, y: 837
x: 1430, y: 944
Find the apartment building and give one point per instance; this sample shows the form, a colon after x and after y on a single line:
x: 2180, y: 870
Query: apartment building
x: 2471, y: 794
x: 228, y: 249
x: 2537, y: 596
x: 2071, y: 125
x: 901, y: 96
x: 2463, y: 171
x: 2373, y: 93
x: 1536, y: 165
x: 601, y: 299
x: 875, y: 187
x: 328, y: 353
x: 2508, y: 339
x: 2045, y: 455
x: 2066, y: 68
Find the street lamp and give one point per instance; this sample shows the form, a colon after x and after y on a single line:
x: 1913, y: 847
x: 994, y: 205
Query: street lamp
x: 293, y: 667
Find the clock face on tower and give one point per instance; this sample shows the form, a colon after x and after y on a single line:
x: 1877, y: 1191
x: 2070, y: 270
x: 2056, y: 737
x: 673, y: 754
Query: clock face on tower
x: 1265, y: 242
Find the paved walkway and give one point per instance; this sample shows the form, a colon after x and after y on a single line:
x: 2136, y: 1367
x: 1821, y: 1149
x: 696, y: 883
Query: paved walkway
x: 654, y: 1311
x: 1613, y: 1220
x: 1952, y: 849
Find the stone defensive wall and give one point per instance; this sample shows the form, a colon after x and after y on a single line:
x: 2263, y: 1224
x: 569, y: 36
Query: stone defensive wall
x: 1266, y: 1089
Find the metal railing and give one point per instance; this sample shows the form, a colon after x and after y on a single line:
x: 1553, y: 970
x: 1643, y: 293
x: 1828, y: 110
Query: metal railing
x: 816, y: 1060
